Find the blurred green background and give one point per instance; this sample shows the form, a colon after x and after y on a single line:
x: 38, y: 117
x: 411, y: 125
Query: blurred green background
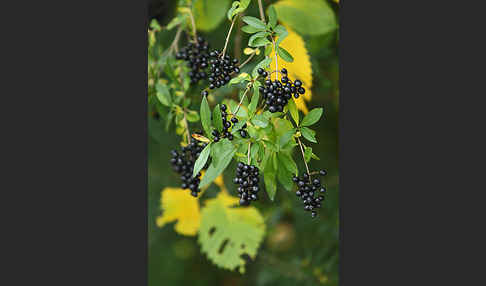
x: 296, y: 250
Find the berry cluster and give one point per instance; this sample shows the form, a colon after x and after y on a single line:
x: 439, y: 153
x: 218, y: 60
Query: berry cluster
x: 247, y: 176
x: 278, y: 93
x: 221, y: 69
x: 183, y: 164
x: 308, y: 191
x: 196, y: 55
x: 227, y: 125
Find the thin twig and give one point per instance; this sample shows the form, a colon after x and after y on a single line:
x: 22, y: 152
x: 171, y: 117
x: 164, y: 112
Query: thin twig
x: 174, y: 45
x: 193, y: 23
x: 249, y: 145
x: 276, y: 59
x: 260, y: 6
x: 241, y: 101
x: 227, y: 36
x: 303, y: 157
x: 187, y: 127
x: 247, y: 60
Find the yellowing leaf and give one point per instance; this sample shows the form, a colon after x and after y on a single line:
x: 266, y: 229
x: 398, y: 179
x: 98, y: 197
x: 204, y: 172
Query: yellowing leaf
x: 178, y: 204
x: 227, y: 233
x: 300, y: 68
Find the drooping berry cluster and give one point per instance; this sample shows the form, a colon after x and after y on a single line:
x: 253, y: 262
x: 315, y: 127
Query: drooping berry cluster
x: 247, y: 176
x: 196, y: 55
x: 278, y: 93
x: 310, y: 192
x: 227, y: 125
x: 183, y: 163
x: 221, y: 69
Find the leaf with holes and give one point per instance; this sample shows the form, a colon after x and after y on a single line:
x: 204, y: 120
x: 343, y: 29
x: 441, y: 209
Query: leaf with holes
x: 226, y: 233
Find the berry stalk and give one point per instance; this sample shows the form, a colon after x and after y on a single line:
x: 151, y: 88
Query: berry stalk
x: 241, y: 101
x: 227, y: 36
x: 303, y: 157
x: 276, y: 58
x: 193, y: 23
x: 260, y: 6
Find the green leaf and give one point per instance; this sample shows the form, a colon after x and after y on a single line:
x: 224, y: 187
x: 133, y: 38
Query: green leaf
x: 284, y: 176
x: 259, y: 42
x: 307, y: 17
x: 227, y: 233
x: 254, y: 22
x: 282, y: 33
x: 205, y: 114
x: 285, y: 138
x: 222, y: 154
x: 201, y: 160
x: 155, y: 25
x: 232, y: 9
x: 163, y: 94
x: 294, y: 112
x: 250, y: 30
x: 307, y: 153
x: 284, y: 54
x: 254, y: 149
x: 308, y: 134
x: 209, y: 13
x: 217, y: 118
x: 269, y: 176
x: 263, y: 64
x: 268, y: 51
x: 260, y: 121
x: 176, y: 21
x: 192, y: 116
x: 241, y: 77
x: 256, y: 36
x: 272, y: 16
x: 288, y: 162
x: 312, y: 117
x: 254, y: 99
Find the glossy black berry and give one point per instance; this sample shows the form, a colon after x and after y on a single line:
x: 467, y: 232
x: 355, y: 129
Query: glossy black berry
x: 260, y: 71
x: 322, y: 172
x: 204, y: 93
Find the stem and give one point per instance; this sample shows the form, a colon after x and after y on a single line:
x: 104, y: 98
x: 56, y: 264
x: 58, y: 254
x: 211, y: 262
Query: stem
x: 174, y: 45
x: 249, y: 145
x: 276, y: 58
x: 303, y: 157
x: 241, y: 101
x: 187, y: 127
x: 247, y: 60
x: 260, y: 6
x: 227, y: 36
x: 193, y: 23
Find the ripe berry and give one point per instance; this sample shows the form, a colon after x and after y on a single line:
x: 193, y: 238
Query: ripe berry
x: 284, y: 71
x: 260, y: 71
x: 297, y: 83
x: 204, y: 93
x: 322, y: 172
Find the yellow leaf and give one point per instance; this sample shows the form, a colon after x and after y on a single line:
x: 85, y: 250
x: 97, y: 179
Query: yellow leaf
x: 300, y: 68
x: 178, y: 204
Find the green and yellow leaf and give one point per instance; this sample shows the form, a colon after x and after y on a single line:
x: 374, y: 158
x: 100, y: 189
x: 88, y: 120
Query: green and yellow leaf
x: 227, y: 233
